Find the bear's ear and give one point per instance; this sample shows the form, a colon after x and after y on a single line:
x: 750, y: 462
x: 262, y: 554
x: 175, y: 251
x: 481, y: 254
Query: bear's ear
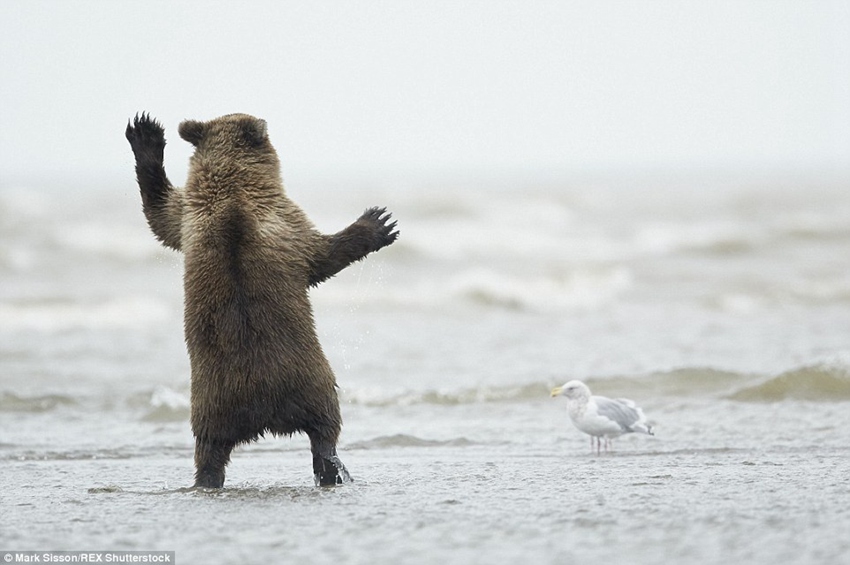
x: 254, y: 131
x: 192, y: 131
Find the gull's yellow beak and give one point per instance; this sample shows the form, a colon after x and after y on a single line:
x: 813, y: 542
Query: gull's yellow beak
x: 556, y: 391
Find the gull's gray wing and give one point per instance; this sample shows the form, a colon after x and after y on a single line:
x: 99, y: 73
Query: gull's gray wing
x: 623, y: 412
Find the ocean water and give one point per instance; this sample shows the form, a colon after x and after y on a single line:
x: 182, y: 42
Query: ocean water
x: 722, y: 307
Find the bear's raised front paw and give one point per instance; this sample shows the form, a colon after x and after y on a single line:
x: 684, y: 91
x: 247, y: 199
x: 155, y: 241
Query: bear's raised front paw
x: 146, y: 137
x: 383, y: 233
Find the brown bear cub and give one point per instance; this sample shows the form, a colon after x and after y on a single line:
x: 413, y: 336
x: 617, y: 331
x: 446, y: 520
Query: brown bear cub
x: 251, y: 255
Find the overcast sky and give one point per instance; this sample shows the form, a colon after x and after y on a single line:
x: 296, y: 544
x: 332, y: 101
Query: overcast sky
x: 376, y: 87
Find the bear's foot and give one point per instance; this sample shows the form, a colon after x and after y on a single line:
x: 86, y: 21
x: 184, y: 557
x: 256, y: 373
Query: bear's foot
x: 209, y: 481
x: 329, y: 471
x: 211, y: 457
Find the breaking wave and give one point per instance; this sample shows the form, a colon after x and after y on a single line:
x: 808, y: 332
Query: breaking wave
x: 406, y: 440
x: 60, y: 315
x: 580, y: 290
x: 824, y: 382
x: 577, y: 290
x: 83, y: 454
x: 827, y: 382
x: 447, y: 397
x: 818, y: 383
x: 166, y: 405
x: 11, y: 402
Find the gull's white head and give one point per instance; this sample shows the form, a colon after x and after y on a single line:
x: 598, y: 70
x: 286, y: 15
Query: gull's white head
x: 573, y: 390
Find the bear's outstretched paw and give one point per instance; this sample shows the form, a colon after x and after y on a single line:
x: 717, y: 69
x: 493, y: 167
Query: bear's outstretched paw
x: 329, y: 472
x: 383, y: 233
x: 146, y: 137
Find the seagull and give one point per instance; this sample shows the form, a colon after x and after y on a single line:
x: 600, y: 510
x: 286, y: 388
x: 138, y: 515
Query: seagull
x: 601, y: 417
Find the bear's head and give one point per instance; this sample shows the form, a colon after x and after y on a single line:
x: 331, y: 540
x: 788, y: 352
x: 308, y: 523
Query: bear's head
x: 238, y: 136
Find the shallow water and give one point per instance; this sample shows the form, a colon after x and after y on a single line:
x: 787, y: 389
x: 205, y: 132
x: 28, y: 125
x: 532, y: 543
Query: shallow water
x: 467, y: 503
x: 722, y: 309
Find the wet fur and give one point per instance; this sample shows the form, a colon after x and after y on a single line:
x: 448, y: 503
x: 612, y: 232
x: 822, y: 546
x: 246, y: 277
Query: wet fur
x: 250, y: 256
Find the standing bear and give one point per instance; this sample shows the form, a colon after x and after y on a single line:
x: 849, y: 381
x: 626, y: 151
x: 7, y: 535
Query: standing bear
x: 251, y: 254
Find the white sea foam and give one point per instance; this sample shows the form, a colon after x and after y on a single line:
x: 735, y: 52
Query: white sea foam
x: 116, y: 241
x: 61, y: 315
x: 18, y: 258
x: 719, y: 236
x: 577, y: 290
x: 572, y: 290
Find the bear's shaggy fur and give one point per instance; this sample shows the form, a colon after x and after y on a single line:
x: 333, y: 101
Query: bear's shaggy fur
x: 251, y: 255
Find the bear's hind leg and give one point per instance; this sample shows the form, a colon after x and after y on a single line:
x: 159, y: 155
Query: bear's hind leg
x: 211, y: 457
x: 328, y: 469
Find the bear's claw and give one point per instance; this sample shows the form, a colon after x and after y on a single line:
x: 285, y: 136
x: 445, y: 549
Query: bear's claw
x: 146, y: 137
x: 385, y: 233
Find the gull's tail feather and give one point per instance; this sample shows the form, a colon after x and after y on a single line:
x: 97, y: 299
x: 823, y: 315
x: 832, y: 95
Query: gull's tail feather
x: 641, y: 425
x: 643, y: 428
